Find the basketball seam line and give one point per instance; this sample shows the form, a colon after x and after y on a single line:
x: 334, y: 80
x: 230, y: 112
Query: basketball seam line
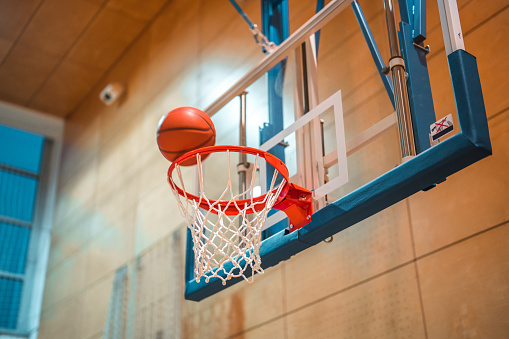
x: 211, y: 126
x: 189, y: 149
x: 183, y: 128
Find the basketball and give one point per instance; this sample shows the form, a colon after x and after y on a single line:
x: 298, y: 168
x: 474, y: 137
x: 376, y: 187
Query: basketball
x: 182, y: 130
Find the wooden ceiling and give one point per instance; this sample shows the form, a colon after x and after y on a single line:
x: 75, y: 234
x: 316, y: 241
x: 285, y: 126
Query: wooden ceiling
x: 53, y: 52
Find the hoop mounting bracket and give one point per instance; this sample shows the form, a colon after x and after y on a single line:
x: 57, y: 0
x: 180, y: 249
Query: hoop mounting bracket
x: 298, y: 206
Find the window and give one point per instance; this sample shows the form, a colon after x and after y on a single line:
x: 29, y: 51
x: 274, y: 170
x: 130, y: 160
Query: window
x: 20, y: 163
x: 30, y: 146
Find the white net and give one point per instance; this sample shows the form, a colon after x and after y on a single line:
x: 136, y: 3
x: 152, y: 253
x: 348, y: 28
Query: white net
x: 226, y: 246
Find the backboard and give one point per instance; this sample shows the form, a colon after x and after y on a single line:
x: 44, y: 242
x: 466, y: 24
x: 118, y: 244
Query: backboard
x: 339, y: 122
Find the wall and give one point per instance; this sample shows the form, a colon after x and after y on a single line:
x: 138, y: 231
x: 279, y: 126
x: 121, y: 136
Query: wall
x: 434, y: 265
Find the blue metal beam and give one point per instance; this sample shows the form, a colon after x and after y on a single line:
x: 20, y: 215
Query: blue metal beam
x: 189, y: 269
x: 276, y: 27
x: 419, y: 23
x: 411, y: 34
x: 275, y: 20
x: 319, y: 6
x: 375, y: 53
x: 413, y: 12
x: 419, y: 88
x: 406, y: 10
x: 242, y: 14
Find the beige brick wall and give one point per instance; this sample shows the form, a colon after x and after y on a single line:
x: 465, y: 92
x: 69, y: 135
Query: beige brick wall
x: 435, y: 265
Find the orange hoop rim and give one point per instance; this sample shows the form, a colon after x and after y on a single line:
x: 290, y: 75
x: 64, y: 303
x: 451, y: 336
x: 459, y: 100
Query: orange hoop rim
x: 229, y: 207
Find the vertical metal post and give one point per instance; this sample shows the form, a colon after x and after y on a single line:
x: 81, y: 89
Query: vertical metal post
x: 243, y: 142
x: 412, y: 34
x: 276, y: 27
x: 243, y: 158
x: 396, y: 65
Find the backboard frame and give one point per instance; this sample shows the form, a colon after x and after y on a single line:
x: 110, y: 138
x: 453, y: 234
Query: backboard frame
x: 421, y: 172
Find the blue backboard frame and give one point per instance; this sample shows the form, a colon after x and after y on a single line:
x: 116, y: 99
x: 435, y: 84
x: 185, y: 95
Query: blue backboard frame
x: 423, y: 171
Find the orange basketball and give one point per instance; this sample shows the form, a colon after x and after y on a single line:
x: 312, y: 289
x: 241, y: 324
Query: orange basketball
x: 182, y: 130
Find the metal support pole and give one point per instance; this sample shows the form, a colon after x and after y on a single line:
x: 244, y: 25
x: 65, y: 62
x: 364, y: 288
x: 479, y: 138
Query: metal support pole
x: 373, y: 48
x: 243, y: 142
x: 397, y: 67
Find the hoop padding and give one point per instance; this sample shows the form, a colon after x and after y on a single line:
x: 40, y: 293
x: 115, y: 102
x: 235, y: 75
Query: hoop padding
x: 227, y: 232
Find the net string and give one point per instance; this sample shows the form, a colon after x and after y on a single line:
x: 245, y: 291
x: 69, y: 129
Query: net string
x: 226, y: 246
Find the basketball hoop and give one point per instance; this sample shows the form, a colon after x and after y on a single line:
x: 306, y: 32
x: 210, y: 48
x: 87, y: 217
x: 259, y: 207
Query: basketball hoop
x: 227, y: 234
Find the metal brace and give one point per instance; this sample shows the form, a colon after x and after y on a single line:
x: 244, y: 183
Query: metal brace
x: 262, y: 40
x: 267, y: 46
x: 426, y: 49
x: 393, y: 62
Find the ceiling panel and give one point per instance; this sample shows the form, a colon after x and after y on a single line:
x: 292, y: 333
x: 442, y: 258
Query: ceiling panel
x: 14, y: 15
x: 57, y: 24
x: 53, y: 52
x: 65, y: 88
x: 139, y: 9
x: 22, y: 73
x: 107, y: 37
